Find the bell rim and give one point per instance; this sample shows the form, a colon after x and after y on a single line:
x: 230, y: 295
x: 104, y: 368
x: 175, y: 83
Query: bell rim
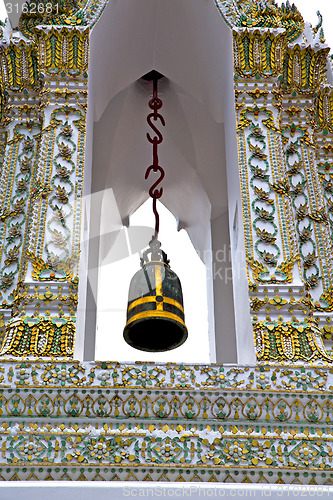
x: 182, y: 327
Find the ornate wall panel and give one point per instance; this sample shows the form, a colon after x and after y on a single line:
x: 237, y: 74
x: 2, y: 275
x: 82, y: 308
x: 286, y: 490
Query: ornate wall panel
x: 111, y: 421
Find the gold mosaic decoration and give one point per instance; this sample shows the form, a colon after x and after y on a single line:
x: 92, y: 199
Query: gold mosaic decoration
x: 55, y: 270
x: 258, y: 53
x: 283, y: 104
x: 111, y: 421
x: 63, y: 12
x: 289, y: 341
x: 39, y: 337
x: 63, y: 51
x: 283, y: 273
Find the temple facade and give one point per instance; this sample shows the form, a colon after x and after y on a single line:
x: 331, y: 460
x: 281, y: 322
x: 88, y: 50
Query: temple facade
x: 247, y: 90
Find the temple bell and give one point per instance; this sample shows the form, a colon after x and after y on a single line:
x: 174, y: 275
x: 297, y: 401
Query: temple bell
x: 155, y: 313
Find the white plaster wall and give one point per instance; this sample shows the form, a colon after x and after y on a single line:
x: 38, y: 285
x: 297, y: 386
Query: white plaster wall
x: 244, y: 333
x: 83, y: 289
x: 225, y: 333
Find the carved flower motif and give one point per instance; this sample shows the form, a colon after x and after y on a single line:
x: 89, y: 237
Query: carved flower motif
x: 19, y: 205
x: 295, y: 168
x: 63, y: 172
x: 291, y: 149
x: 6, y: 281
x: 257, y: 133
x: 305, y: 234
x: 53, y: 261
x: 14, y: 231
x: 61, y: 194
x: 263, y: 195
x: 67, y: 130
x: 65, y: 151
x: 25, y: 165
x: 167, y: 449
x: 12, y: 256
x: 236, y: 451
x: 21, y: 185
x: 100, y: 449
x: 58, y: 238
x: 312, y: 281
x: 28, y: 144
x: 265, y: 236
x: 302, y: 211
x: 269, y: 258
x: 278, y: 301
x: 264, y: 214
x: 259, y: 173
x: 31, y: 449
x: 299, y: 189
x: 309, y: 260
x: 58, y: 214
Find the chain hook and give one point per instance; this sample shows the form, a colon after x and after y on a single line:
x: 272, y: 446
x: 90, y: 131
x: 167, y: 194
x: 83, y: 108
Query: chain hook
x: 155, y: 104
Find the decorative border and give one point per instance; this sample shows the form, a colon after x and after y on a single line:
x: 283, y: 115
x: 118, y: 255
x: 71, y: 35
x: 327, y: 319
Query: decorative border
x: 61, y: 374
x: 111, y: 421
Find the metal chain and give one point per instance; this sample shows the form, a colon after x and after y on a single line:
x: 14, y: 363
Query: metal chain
x: 155, y: 104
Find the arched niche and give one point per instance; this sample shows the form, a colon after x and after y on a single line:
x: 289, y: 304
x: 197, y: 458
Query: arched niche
x: 193, y: 50
x: 117, y: 266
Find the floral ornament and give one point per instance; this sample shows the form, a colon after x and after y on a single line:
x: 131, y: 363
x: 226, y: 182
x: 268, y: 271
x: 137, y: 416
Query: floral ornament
x: 21, y: 185
x: 303, y: 379
x: 12, y: 256
x: 257, y: 93
x: 104, y: 376
x: 58, y: 238
x: 67, y: 130
x: 65, y: 151
x: 25, y: 165
x: 167, y: 450
x: 28, y: 144
x: 32, y: 449
x: 102, y: 449
x: 269, y: 258
x: 265, y: 236
x: 256, y: 304
x: 61, y: 194
x: 263, y: 195
x: 305, y: 234
x: 184, y: 375
x: 281, y: 186
x: 63, y: 172
x: 305, y: 453
x: 261, y: 452
x: 312, y: 281
x: 309, y: 260
x: 143, y: 376
x: 263, y: 380
x: 302, y: 211
x: 235, y: 451
x: 295, y: 168
x: 6, y: 280
x: 61, y: 374
x: 18, y: 206
x: 278, y: 302
x: 312, y: 411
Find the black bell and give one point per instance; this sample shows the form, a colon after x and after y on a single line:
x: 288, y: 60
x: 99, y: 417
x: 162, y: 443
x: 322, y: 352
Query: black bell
x: 155, y: 314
